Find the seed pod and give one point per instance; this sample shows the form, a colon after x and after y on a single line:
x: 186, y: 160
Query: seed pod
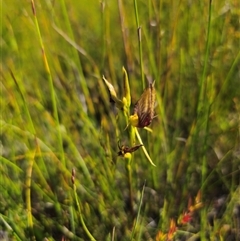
x: 144, y: 108
x: 73, y: 175
x: 113, y: 95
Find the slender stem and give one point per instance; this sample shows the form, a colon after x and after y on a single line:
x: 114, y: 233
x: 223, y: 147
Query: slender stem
x: 30, y: 164
x: 203, y: 78
x: 202, y: 105
x: 81, y: 216
x: 28, y: 195
x: 139, y: 31
x: 50, y: 80
x: 128, y: 159
x: 203, y: 110
x: 139, y: 210
x: 126, y: 111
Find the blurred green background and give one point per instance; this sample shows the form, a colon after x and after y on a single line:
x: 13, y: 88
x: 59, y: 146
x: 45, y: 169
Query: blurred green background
x: 56, y: 115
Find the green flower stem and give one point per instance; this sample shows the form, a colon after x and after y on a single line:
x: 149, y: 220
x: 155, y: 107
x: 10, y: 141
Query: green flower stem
x: 128, y: 159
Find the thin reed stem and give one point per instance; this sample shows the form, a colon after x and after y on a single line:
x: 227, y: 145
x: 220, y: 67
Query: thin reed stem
x: 139, y: 212
x: 203, y: 105
x: 51, y: 86
x: 80, y: 214
x: 139, y: 32
x: 203, y: 110
x: 28, y: 195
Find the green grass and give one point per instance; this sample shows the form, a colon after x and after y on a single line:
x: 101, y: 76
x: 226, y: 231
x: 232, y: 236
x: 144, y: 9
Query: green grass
x: 56, y: 116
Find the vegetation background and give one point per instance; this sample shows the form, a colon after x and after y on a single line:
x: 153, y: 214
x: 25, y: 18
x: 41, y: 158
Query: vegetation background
x: 56, y: 116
